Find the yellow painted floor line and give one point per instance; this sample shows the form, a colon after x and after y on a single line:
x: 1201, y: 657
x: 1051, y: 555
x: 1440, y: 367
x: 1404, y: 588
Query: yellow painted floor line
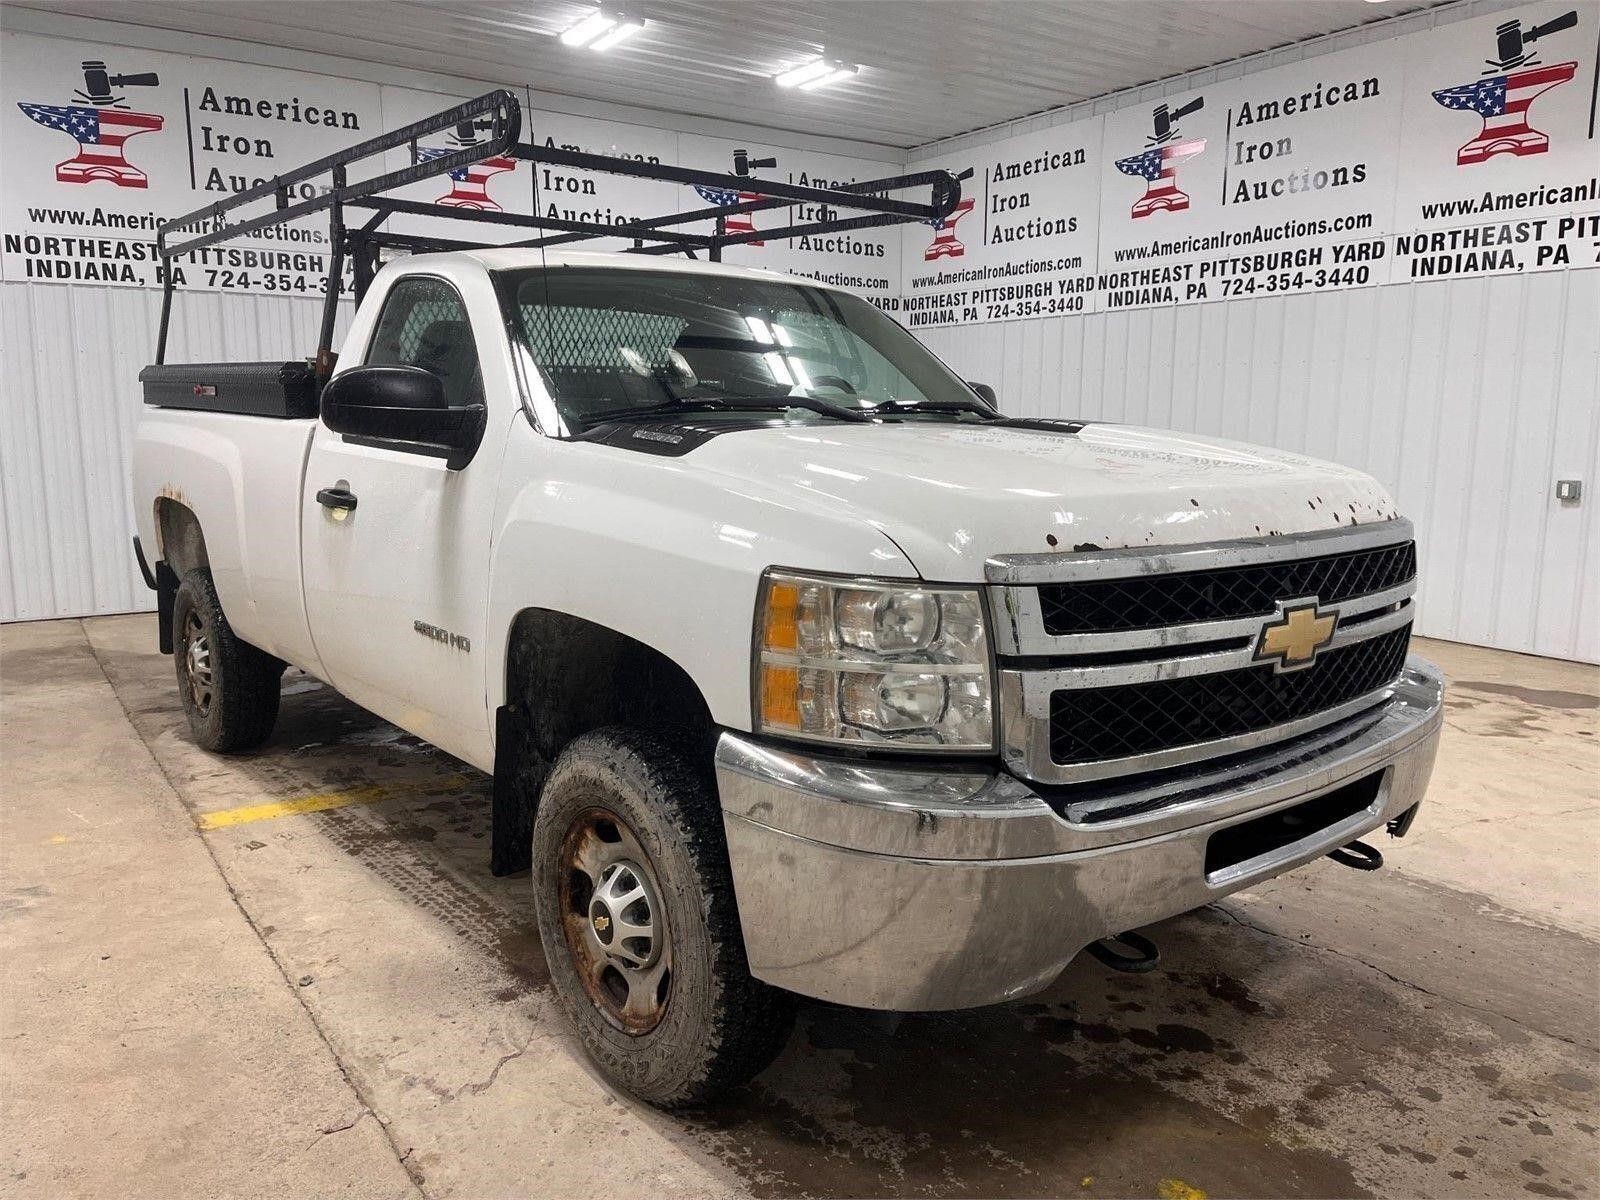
x: 289, y: 808
x: 321, y: 802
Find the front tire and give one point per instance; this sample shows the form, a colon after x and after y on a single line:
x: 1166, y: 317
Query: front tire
x: 636, y: 912
x: 230, y: 689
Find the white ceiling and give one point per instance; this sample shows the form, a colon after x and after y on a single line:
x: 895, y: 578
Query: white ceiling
x: 930, y: 68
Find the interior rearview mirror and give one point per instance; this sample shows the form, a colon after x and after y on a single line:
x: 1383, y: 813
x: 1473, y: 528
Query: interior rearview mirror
x: 402, y: 408
x: 986, y: 394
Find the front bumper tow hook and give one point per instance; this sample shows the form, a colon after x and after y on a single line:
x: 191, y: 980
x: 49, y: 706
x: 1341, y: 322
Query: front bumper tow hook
x: 1144, y: 958
x: 1358, y: 855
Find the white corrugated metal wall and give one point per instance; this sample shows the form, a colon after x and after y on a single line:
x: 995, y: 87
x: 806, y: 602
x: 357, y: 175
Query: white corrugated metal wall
x: 72, y: 355
x: 1468, y: 398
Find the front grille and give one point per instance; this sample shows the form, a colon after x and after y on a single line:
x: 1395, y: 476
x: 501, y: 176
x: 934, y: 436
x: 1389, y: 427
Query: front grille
x: 1089, y: 724
x: 1150, y: 601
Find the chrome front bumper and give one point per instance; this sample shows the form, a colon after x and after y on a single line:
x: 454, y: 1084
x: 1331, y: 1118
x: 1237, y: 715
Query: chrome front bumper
x: 896, y: 888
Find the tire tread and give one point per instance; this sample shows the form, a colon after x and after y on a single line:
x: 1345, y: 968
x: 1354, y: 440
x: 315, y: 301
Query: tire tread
x: 750, y: 1020
x: 249, y: 679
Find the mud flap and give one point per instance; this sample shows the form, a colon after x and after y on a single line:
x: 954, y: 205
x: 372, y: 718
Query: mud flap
x: 166, y: 593
x: 518, y: 774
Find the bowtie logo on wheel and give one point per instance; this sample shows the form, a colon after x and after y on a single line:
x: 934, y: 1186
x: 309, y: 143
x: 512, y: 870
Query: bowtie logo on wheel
x: 469, y: 185
x: 1516, y: 80
x: 744, y: 222
x: 100, y: 122
x: 1158, y: 166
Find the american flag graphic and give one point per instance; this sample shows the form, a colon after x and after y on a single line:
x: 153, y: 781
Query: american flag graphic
x: 944, y: 244
x: 99, y: 133
x: 471, y: 182
x: 725, y: 197
x: 1503, y: 101
x: 1158, y: 167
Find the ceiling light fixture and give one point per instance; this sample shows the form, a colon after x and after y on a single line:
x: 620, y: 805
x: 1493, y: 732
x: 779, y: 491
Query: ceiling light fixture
x: 625, y: 28
x: 815, y: 73
x: 601, y: 30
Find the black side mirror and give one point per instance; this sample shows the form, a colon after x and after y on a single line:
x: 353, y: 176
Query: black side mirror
x: 402, y: 408
x: 986, y: 394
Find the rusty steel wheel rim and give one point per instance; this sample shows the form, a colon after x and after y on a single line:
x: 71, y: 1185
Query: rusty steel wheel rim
x: 615, y: 924
x: 197, y: 667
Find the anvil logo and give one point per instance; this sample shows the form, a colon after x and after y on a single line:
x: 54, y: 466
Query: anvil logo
x: 1516, y: 80
x: 944, y: 243
x: 1292, y: 639
x: 469, y: 185
x: 1157, y: 165
x: 100, y: 123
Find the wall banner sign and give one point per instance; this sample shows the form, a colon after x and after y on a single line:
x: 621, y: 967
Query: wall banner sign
x: 1469, y: 149
x: 1022, y: 242
x: 1271, y: 184
x: 103, y: 144
x: 1499, y: 137
x: 1465, y: 150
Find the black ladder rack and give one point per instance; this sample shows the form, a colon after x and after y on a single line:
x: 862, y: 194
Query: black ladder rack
x: 500, y: 114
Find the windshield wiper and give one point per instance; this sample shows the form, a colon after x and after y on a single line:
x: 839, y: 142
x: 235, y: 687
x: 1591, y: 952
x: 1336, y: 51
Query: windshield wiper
x: 935, y: 406
x: 733, y: 404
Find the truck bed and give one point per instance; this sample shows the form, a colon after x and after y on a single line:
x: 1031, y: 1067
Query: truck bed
x: 283, y: 390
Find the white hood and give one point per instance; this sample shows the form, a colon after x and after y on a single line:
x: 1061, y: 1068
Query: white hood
x: 951, y: 495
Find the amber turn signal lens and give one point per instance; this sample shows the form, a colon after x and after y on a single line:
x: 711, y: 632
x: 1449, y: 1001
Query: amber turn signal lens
x: 782, y: 631
x: 780, y: 696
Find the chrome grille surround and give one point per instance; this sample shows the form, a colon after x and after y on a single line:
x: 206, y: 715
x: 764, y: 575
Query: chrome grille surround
x: 1035, y: 664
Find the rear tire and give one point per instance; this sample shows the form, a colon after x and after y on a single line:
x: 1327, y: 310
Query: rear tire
x: 636, y: 912
x: 229, y: 688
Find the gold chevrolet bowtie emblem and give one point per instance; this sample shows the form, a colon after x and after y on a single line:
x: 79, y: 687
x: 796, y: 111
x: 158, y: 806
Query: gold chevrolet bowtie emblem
x: 1293, y: 638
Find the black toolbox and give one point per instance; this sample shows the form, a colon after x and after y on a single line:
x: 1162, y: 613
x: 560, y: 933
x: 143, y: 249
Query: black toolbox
x: 253, y: 389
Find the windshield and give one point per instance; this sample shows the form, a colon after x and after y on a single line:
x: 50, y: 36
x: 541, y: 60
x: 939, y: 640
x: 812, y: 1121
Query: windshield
x: 612, y: 342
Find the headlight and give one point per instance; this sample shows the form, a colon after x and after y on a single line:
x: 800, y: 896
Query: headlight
x: 851, y: 660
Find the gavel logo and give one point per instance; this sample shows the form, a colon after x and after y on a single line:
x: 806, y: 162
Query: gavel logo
x: 1511, y: 41
x: 97, y: 84
x: 1166, y: 123
x: 466, y: 132
x: 743, y: 164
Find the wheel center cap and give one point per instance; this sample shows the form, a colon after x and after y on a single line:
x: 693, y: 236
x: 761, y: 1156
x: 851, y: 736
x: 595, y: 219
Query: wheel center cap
x: 622, y: 916
x: 600, y: 921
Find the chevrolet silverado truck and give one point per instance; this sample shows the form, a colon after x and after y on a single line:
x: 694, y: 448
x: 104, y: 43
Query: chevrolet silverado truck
x: 799, y: 668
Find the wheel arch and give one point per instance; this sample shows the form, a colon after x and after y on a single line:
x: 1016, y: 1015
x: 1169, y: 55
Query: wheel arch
x: 181, y: 542
x: 565, y: 676
x: 180, y: 548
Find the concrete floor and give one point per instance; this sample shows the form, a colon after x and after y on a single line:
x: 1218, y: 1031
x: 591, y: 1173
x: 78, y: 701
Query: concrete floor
x: 203, y: 996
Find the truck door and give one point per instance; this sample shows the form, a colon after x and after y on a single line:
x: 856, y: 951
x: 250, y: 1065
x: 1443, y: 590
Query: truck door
x: 397, y: 586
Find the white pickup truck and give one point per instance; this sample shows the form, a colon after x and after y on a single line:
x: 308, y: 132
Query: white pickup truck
x: 798, y: 667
